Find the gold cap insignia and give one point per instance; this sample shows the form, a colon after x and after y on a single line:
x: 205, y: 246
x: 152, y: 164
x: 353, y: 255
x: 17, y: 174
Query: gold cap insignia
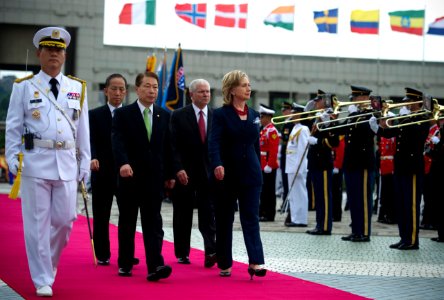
x: 36, y: 114
x: 55, y: 34
x: 36, y: 94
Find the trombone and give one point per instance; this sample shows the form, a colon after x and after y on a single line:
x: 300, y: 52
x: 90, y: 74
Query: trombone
x: 289, y: 118
x: 431, y: 108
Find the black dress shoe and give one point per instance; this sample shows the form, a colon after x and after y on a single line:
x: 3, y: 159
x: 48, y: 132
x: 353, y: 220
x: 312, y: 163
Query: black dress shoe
x: 408, y: 247
x: 210, y: 260
x: 317, y: 231
x: 348, y: 237
x: 395, y: 245
x: 162, y: 272
x: 124, y: 272
x: 291, y: 224
x: 437, y: 239
x: 104, y: 262
x: 184, y: 260
x: 360, y: 238
x: 135, y: 261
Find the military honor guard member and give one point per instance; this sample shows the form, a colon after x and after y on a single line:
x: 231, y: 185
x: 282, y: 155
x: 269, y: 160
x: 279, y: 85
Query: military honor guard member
x: 286, y: 109
x: 47, y: 125
x: 359, y: 166
x: 269, y: 146
x: 409, y: 168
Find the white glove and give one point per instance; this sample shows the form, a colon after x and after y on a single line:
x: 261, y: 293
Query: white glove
x: 373, y: 124
x: 390, y: 114
x: 267, y: 169
x: 325, y: 116
x: 352, y: 109
x: 312, y: 140
x: 13, y: 166
x: 435, y: 140
x: 83, y: 175
x: 404, y: 111
x: 335, y: 171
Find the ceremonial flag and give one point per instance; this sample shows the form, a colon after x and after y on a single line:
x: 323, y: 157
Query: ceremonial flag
x: 173, y: 97
x: 437, y: 27
x: 327, y: 20
x: 283, y: 17
x: 231, y: 15
x: 193, y: 13
x: 139, y: 13
x: 151, y: 63
x: 162, y: 74
x: 365, y: 21
x: 408, y: 21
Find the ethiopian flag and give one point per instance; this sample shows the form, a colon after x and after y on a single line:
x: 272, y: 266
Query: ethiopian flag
x: 408, y: 21
x: 283, y: 17
x: 138, y: 13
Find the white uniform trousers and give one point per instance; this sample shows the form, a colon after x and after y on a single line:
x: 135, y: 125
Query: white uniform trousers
x: 49, y: 209
x: 298, y: 198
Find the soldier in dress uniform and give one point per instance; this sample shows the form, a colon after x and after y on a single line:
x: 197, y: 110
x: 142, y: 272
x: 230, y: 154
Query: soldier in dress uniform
x: 387, y: 150
x: 49, y: 112
x: 285, y: 134
x: 269, y: 146
x: 359, y: 166
x: 409, y: 168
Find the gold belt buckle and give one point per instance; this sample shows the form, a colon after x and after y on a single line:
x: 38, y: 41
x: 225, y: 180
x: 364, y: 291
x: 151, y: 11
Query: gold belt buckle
x: 59, y: 144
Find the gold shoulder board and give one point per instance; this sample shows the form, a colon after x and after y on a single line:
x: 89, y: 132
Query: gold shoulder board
x: 78, y: 79
x: 18, y: 80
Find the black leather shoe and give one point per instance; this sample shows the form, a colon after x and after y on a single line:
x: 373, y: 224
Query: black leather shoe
x: 360, y: 238
x: 162, y: 272
x: 317, y: 231
x: 184, y: 260
x: 124, y: 272
x: 135, y: 261
x: 437, y: 239
x: 395, y: 245
x: 291, y: 224
x: 210, y: 260
x: 408, y: 247
x: 348, y: 237
x: 103, y: 262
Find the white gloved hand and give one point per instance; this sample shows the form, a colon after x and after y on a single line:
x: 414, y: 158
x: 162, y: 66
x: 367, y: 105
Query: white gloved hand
x: 83, y: 175
x: 267, y: 169
x: 390, y: 114
x: 352, y: 109
x: 325, y: 116
x: 335, y: 171
x: 13, y: 166
x: 404, y: 111
x: 435, y: 140
x: 373, y: 124
x: 312, y: 140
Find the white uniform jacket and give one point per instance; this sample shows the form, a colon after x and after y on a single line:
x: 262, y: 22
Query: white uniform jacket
x: 30, y: 108
x: 296, y: 145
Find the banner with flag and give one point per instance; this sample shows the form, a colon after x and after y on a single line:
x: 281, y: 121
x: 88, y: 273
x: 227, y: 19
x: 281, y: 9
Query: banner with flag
x: 364, y: 21
x: 195, y: 14
x: 327, y: 20
x: 138, y: 13
x: 151, y: 63
x: 437, y: 27
x: 162, y: 74
x: 408, y: 21
x: 283, y: 17
x: 173, y: 97
x: 231, y: 15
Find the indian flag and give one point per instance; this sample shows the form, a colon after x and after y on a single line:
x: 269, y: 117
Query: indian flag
x: 138, y: 13
x: 283, y: 17
x: 408, y: 21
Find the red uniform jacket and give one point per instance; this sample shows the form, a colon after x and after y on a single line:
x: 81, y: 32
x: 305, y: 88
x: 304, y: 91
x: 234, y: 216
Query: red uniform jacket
x: 387, y: 149
x: 269, y: 145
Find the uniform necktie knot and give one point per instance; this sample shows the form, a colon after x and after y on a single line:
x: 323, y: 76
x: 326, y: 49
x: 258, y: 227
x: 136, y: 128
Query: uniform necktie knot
x: 54, y: 88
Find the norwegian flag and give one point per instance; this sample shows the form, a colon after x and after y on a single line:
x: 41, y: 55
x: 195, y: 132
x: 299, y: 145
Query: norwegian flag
x: 193, y: 13
x: 231, y: 15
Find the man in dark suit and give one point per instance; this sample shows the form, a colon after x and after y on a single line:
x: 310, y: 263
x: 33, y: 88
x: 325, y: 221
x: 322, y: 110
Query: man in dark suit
x: 189, y: 128
x: 103, y: 172
x: 142, y: 152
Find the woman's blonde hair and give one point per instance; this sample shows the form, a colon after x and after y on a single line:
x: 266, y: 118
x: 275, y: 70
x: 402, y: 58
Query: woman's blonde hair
x: 230, y: 81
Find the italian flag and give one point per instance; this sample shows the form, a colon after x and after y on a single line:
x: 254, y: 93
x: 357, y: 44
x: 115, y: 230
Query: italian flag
x: 138, y: 13
x: 283, y: 17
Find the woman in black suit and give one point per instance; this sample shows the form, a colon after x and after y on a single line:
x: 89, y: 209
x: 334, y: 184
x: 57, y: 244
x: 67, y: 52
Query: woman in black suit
x: 235, y: 161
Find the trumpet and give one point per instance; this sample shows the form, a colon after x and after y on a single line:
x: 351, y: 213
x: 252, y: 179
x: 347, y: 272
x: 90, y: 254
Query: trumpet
x: 432, y: 108
x: 289, y: 118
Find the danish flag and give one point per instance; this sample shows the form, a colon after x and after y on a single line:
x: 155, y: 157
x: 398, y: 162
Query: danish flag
x: 231, y: 15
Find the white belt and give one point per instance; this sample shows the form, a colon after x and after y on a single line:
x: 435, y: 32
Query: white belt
x: 264, y: 153
x: 51, y: 144
x: 386, y: 157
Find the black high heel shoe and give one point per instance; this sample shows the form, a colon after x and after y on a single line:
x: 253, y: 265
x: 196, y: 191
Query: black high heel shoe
x: 225, y: 273
x: 256, y: 272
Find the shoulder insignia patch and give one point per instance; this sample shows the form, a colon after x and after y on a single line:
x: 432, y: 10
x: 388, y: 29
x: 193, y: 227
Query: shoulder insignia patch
x: 18, y: 80
x: 274, y: 136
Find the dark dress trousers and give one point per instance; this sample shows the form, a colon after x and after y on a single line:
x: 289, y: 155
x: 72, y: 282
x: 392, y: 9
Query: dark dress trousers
x: 103, y: 181
x: 234, y: 144
x: 191, y: 155
x: 150, y: 161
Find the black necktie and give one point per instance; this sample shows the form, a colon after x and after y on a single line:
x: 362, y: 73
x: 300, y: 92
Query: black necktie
x: 54, y: 88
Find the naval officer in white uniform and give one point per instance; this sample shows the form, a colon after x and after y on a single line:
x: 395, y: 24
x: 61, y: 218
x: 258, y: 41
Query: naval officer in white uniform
x: 49, y: 112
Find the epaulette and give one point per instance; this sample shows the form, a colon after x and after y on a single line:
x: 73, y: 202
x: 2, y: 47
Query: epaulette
x: 18, y: 80
x: 78, y: 79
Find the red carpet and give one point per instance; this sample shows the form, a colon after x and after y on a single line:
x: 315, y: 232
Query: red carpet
x: 77, y: 277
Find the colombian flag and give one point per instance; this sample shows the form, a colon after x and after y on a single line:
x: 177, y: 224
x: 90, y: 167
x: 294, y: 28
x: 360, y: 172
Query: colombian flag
x: 365, y: 21
x: 408, y: 21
